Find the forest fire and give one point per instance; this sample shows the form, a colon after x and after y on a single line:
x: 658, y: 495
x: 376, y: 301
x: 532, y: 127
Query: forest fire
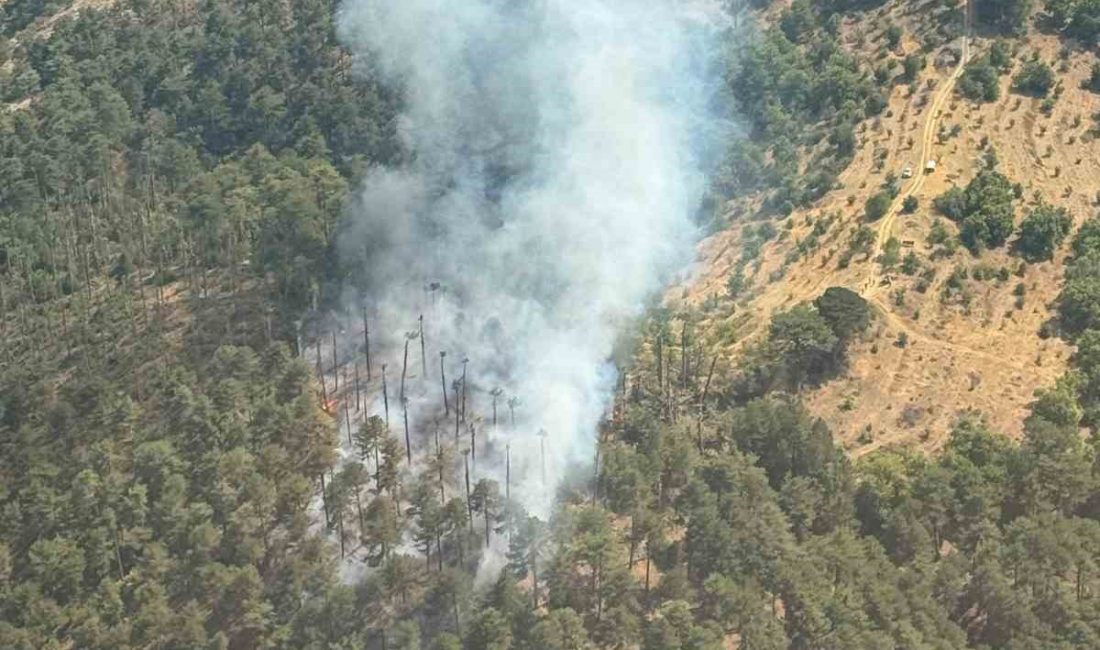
x: 495, y: 236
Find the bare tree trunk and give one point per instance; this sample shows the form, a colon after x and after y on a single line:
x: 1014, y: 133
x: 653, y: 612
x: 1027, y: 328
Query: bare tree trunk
x: 496, y: 393
x: 408, y: 443
x: 366, y: 341
x: 357, y: 406
x: 423, y: 353
x: 439, y: 454
x: 321, y: 375
x: 347, y: 422
x: 335, y: 366
x: 458, y: 415
x: 385, y: 397
x: 359, y: 509
x: 404, y: 368
x: 465, y: 360
x: 485, y: 512
x: 469, y: 504
x: 706, y: 384
x: 443, y: 382
x: 340, y: 532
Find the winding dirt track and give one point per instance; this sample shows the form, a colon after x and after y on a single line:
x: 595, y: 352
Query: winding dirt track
x: 928, y: 141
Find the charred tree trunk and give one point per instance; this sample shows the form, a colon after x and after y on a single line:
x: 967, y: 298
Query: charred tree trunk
x: 366, y: 342
x: 335, y: 366
x: 404, y: 368
x: 347, y: 423
x: 464, y: 362
x: 321, y: 375
x: 469, y: 504
x: 443, y: 382
x: 458, y: 415
x: 408, y: 442
x: 423, y: 350
x: 385, y: 397
x: 473, y: 443
x: 357, y: 403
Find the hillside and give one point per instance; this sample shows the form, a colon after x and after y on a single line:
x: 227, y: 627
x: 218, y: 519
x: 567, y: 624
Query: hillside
x: 246, y: 403
x: 977, y: 345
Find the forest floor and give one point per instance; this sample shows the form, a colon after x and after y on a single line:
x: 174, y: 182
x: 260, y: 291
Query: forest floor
x: 931, y: 354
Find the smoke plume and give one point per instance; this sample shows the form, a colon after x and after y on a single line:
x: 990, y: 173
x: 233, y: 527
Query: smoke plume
x: 552, y: 176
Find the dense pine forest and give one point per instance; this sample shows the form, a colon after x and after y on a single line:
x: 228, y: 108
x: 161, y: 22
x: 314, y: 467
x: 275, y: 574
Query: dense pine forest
x: 174, y: 181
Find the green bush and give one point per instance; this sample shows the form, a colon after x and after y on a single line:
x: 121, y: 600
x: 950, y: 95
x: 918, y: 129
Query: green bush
x: 984, y: 210
x: 1035, y: 78
x: 980, y: 81
x: 876, y: 207
x: 1042, y: 231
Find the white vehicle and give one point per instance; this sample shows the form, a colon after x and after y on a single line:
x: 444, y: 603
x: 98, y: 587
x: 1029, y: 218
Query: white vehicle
x: 907, y: 172
x: 930, y: 167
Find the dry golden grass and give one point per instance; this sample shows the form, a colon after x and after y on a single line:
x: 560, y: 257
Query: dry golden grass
x: 981, y: 353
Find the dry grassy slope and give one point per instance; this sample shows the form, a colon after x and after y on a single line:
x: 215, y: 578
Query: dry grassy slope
x: 987, y: 355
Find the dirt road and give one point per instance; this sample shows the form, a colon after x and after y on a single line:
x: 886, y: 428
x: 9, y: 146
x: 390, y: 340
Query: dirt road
x: 928, y: 141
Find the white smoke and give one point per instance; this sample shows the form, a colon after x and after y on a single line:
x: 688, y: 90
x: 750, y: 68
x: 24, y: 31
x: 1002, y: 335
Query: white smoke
x: 553, y: 177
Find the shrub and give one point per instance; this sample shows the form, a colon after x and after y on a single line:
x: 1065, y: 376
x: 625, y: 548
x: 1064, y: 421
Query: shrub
x: 980, y: 81
x: 1042, y: 231
x: 876, y: 207
x: 1036, y: 78
x: 984, y: 210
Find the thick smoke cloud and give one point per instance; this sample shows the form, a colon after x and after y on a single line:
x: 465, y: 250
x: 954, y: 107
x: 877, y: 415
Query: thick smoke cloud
x: 552, y: 178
